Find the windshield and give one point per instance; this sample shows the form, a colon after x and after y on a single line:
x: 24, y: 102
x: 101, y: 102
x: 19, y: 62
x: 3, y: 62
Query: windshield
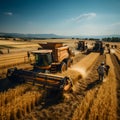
x: 43, y: 59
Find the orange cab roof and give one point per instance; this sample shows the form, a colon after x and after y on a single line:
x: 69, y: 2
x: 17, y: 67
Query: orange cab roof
x: 41, y: 51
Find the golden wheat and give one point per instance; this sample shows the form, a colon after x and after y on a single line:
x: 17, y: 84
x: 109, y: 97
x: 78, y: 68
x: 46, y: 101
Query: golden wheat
x: 8, y: 96
x: 20, y: 106
x: 105, y: 104
x: 83, y: 109
x: 100, y: 103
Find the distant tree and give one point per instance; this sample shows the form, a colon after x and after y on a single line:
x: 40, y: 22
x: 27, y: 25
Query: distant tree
x: 96, y: 39
x: 113, y: 39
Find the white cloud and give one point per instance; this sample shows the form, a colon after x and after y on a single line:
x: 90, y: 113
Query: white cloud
x: 84, y: 17
x: 8, y: 13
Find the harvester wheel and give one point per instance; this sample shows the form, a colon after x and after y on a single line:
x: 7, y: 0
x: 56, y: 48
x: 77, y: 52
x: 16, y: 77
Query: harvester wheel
x: 69, y: 63
x: 63, y: 67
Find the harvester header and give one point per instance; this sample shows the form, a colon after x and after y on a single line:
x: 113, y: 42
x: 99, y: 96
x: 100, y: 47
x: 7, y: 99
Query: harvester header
x: 43, y: 79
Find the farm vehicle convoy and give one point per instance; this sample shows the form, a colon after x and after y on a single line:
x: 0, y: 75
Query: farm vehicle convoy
x: 97, y: 47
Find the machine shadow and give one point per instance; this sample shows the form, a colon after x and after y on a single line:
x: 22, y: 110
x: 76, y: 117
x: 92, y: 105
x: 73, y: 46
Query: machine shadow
x: 93, y: 84
x: 50, y: 99
x: 6, y: 84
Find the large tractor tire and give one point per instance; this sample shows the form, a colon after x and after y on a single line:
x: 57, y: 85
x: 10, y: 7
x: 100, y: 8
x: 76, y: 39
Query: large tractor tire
x: 69, y: 63
x: 63, y: 67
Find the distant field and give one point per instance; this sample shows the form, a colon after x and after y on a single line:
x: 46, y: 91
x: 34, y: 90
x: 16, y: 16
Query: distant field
x: 16, y: 44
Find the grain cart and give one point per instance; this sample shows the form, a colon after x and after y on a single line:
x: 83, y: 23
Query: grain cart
x: 50, y: 81
x: 52, y: 57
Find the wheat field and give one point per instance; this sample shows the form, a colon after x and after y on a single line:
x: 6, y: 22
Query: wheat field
x: 89, y: 99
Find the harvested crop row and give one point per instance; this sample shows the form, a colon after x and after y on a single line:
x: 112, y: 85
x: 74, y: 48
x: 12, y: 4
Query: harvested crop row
x: 105, y: 104
x: 15, y: 61
x: 118, y: 50
x: 11, y: 55
x: 86, y: 63
x: 78, y: 57
x: 63, y: 110
x: 83, y: 109
x: 20, y: 106
x: 80, y: 69
x: 102, y: 105
x: 90, y: 85
x: 117, y: 71
x: 117, y: 54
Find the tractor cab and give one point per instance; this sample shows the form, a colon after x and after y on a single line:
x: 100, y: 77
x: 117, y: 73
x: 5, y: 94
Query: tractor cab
x: 98, y: 47
x: 43, y: 59
x: 81, y: 45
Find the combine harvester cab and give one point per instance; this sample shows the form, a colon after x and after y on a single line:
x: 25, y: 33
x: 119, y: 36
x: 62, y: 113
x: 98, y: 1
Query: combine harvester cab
x: 97, y: 47
x: 52, y: 57
x: 82, y: 46
x: 53, y: 82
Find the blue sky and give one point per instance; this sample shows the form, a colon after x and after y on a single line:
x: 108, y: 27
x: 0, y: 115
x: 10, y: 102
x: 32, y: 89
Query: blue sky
x: 62, y: 17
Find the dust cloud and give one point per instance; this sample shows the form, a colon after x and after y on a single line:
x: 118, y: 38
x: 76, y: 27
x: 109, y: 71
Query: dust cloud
x: 82, y: 71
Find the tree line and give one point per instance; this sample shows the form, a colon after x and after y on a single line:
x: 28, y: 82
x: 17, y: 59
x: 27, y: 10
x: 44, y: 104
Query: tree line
x: 113, y: 39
